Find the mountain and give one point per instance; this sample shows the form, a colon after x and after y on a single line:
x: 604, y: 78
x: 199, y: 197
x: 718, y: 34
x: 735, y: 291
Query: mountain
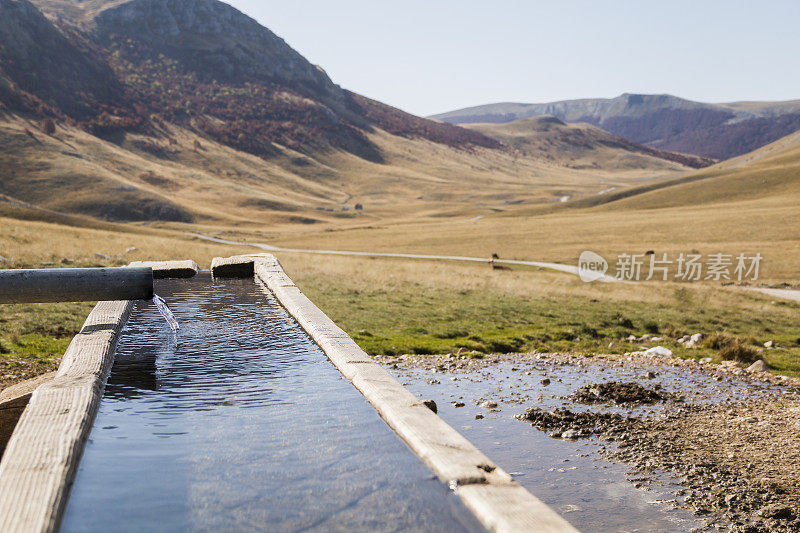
x: 581, y: 145
x: 198, y: 62
x: 769, y: 176
x: 46, y: 70
x: 718, y: 131
x: 189, y: 111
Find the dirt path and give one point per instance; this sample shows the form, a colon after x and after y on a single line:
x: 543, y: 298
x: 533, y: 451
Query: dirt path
x: 787, y: 294
x: 269, y: 248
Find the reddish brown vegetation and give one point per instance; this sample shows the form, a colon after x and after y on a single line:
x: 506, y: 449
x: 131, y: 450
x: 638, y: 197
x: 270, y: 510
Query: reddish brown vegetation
x: 401, y: 123
x: 125, y: 85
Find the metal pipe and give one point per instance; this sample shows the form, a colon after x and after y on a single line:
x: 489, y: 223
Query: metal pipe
x: 75, y: 284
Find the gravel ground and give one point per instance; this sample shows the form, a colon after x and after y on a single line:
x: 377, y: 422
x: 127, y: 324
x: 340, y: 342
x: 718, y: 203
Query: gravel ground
x: 736, y: 449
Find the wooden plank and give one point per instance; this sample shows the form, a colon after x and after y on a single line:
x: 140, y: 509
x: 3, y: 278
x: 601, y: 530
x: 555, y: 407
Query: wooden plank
x: 170, y: 269
x: 239, y: 266
x: 42, y: 456
x: 490, y: 493
x: 24, y: 388
x: 13, y: 401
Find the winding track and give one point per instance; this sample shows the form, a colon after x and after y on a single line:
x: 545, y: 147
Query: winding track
x: 788, y: 294
x: 269, y: 248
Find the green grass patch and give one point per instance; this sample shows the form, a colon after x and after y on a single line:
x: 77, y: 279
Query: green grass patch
x: 444, y: 320
x: 33, y: 337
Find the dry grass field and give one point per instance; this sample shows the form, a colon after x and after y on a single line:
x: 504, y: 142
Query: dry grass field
x: 746, y: 205
x: 173, y: 174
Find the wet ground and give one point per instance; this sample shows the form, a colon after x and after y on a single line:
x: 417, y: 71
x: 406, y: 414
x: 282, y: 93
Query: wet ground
x: 240, y: 423
x: 623, y: 444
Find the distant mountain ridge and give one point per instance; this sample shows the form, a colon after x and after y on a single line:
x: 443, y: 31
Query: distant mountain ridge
x: 666, y: 122
x: 119, y: 66
x: 580, y: 145
x: 191, y: 111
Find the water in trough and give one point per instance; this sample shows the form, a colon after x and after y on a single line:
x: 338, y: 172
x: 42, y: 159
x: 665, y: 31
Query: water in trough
x: 241, y: 423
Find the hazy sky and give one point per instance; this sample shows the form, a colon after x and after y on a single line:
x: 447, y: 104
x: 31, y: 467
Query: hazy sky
x: 438, y: 55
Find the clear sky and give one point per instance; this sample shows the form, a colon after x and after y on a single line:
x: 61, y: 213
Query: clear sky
x: 438, y: 55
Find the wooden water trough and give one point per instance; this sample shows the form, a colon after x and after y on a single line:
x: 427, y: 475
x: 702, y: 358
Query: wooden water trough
x: 42, y: 457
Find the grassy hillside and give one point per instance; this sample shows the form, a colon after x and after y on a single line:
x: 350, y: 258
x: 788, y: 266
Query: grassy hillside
x: 194, y: 113
x: 746, y: 205
x: 177, y: 174
x: 769, y: 173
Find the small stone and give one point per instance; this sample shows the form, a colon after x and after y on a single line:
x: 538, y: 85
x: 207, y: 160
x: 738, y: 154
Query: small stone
x: 705, y: 360
x: 571, y: 434
x: 131, y: 249
x: 769, y: 344
x: 694, y: 340
x: 488, y: 404
x: 658, y: 351
x: 546, y: 381
x: 430, y: 404
x: 758, y: 366
x: 458, y: 404
x: 478, y: 417
x: 650, y: 375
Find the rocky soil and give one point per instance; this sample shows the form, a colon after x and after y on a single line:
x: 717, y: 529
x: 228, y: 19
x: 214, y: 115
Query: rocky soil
x: 737, y: 458
x: 618, y: 393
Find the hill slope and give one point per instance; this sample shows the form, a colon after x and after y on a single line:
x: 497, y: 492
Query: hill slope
x: 199, y: 63
x: 581, y: 145
x: 718, y: 131
x: 770, y: 175
x: 747, y: 205
x: 190, y: 111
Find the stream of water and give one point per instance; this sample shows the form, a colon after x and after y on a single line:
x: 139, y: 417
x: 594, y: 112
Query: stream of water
x: 592, y: 493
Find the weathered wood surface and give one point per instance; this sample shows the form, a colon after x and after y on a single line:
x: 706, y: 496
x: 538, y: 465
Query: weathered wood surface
x: 75, y: 284
x: 13, y: 401
x: 170, y: 269
x: 42, y: 456
x: 491, y: 494
x: 232, y: 267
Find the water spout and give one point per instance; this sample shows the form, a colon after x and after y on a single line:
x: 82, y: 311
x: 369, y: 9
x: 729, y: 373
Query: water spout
x: 166, y: 313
